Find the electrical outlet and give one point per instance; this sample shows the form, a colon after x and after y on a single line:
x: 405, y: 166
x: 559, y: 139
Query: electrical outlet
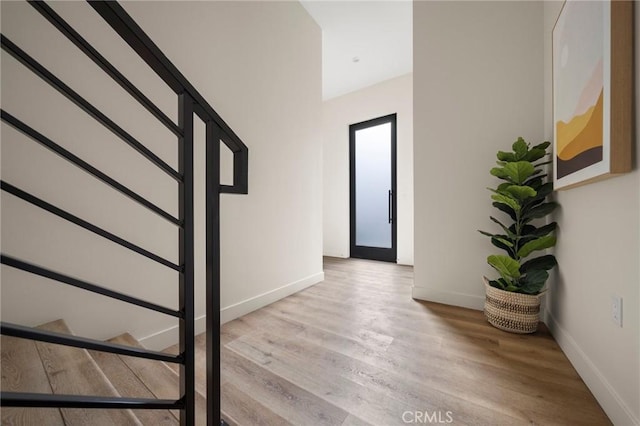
x: 616, y: 310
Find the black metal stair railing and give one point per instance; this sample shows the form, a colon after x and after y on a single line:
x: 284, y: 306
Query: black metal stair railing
x: 190, y: 102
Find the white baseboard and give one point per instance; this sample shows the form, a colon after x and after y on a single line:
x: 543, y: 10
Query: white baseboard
x: 249, y: 305
x: 165, y: 338
x: 337, y: 255
x: 619, y: 413
x: 161, y: 339
x: 404, y: 261
x: 448, y: 297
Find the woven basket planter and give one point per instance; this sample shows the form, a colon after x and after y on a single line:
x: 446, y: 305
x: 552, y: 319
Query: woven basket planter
x: 512, y: 312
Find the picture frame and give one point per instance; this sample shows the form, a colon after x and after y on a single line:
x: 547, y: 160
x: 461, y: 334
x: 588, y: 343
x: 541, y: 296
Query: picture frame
x: 593, y: 91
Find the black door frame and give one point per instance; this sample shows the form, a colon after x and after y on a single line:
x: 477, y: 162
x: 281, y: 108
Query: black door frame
x: 363, y: 252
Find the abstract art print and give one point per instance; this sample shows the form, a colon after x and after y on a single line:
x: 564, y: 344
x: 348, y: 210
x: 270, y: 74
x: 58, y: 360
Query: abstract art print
x: 592, y: 91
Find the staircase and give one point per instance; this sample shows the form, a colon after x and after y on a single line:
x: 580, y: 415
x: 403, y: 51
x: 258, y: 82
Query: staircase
x: 31, y: 366
x: 49, y: 376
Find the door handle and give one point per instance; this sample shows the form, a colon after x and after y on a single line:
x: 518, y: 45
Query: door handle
x: 390, y: 206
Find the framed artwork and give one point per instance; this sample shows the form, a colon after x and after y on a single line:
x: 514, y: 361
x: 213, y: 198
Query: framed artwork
x: 592, y: 91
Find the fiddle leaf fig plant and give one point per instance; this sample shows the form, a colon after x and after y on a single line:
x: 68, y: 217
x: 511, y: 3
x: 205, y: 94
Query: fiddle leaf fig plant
x: 522, y: 196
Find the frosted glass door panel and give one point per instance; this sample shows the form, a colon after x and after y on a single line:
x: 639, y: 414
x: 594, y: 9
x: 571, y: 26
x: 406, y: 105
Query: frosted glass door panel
x: 372, y: 185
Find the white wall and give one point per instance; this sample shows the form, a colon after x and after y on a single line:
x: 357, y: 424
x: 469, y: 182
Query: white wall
x: 259, y: 65
x: 598, y: 253
x: 388, y: 97
x: 477, y: 86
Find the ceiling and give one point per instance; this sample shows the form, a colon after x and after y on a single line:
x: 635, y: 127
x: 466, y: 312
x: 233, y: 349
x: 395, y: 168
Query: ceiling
x: 378, y: 34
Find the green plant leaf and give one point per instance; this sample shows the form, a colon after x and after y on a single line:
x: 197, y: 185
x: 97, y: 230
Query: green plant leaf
x: 537, y: 244
x: 544, y: 230
x: 543, y: 145
x: 536, y: 172
x: 505, y: 192
x: 522, y: 241
x: 511, y: 286
x: 534, y: 182
x: 510, y: 233
x: 535, y: 154
x: 506, y: 266
x: 506, y: 156
x: 520, y: 148
x: 519, y: 171
x: 498, y: 284
x: 525, y: 230
x: 521, y: 192
x: 542, y: 193
x: 544, y: 190
x: 485, y: 233
x: 505, y: 241
x: 502, y: 284
x: 533, y: 282
x: 504, y: 208
x: 504, y: 199
x: 530, y: 205
x: 499, y: 172
x: 539, y: 211
x: 535, y: 176
x: 503, y: 186
x: 545, y: 262
x: 496, y: 242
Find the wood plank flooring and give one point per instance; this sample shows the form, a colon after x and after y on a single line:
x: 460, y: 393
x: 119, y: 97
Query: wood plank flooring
x: 353, y: 350
x: 357, y: 350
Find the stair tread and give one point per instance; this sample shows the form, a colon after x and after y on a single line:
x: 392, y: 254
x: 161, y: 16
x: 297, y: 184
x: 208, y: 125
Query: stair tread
x: 22, y: 371
x: 73, y: 371
x: 158, y: 377
x: 201, y: 362
x: 129, y: 385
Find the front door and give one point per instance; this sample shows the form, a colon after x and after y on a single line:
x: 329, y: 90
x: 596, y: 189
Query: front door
x: 373, y: 210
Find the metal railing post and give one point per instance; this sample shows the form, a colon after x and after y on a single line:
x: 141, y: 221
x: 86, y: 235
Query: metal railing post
x: 187, y: 260
x: 213, y: 272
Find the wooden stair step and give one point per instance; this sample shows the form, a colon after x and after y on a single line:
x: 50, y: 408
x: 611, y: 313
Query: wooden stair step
x: 22, y: 371
x: 130, y: 385
x: 201, y: 362
x: 158, y: 377
x: 73, y: 371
